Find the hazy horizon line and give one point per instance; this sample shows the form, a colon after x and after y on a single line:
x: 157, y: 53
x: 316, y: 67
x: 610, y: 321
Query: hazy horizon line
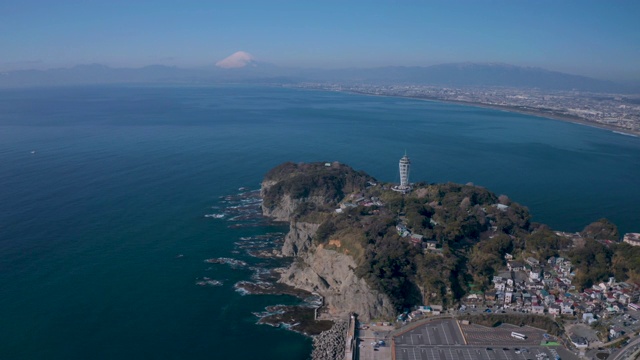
x: 212, y: 66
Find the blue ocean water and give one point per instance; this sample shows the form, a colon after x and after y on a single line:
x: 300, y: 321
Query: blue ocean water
x: 93, y: 223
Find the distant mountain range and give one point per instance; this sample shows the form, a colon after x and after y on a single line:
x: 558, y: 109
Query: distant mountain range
x: 458, y: 75
x: 473, y: 74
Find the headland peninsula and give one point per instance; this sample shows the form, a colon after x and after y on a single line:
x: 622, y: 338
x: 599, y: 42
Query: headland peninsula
x: 393, y: 257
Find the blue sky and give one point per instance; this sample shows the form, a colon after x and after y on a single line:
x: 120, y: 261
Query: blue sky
x: 597, y: 38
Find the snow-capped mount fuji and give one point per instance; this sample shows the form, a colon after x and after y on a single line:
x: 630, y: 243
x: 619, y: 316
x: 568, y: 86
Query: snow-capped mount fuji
x: 237, y: 60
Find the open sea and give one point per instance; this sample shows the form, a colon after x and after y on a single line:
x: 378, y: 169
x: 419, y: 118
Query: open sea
x: 104, y: 192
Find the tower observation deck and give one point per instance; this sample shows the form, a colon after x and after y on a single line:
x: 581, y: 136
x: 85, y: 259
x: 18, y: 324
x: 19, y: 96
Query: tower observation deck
x: 405, y: 166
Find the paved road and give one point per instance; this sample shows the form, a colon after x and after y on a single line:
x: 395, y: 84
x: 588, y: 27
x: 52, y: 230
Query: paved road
x: 628, y: 350
x: 366, y: 350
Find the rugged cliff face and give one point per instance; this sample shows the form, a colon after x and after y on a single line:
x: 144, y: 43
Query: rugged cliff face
x: 282, y: 208
x: 316, y: 269
x: 331, y: 274
x: 298, y: 241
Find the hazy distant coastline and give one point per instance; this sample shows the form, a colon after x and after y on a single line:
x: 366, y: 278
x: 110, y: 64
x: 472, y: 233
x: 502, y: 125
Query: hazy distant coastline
x: 567, y: 118
x: 514, y: 109
x: 546, y: 115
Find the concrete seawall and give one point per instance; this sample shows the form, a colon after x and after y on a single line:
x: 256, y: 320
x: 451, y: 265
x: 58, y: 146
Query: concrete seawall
x: 351, y: 343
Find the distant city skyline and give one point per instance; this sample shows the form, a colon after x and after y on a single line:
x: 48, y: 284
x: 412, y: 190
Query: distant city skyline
x: 593, y: 38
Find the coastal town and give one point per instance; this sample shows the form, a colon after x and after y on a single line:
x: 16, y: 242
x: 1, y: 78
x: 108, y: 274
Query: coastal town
x: 544, y: 287
x: 598, y: 319
x: 617, y: 112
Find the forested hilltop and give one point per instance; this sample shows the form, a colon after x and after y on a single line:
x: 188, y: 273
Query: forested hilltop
x: 439, y: 241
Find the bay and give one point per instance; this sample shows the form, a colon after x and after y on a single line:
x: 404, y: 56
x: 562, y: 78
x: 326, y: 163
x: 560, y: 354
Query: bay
x: 102, y: 227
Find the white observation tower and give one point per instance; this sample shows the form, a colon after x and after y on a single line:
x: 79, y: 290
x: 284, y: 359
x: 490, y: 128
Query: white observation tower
x: 405, y: 165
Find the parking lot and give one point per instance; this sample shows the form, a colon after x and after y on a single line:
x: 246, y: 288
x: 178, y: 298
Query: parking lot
x: 437, y: 332
x: 468, y: 353
x: 444, y: 339
x: 482, y: 335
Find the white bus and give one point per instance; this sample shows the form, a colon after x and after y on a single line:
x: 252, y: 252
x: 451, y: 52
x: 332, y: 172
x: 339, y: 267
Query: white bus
x: 518, y: 335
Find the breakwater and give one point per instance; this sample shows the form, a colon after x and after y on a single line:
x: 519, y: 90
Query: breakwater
x: 330, y: 344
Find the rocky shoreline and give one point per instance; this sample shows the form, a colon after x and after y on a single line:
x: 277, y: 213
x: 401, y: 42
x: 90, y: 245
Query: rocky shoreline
x: 278, y: 252
x: 298, y: 318
x: 330, y: 344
